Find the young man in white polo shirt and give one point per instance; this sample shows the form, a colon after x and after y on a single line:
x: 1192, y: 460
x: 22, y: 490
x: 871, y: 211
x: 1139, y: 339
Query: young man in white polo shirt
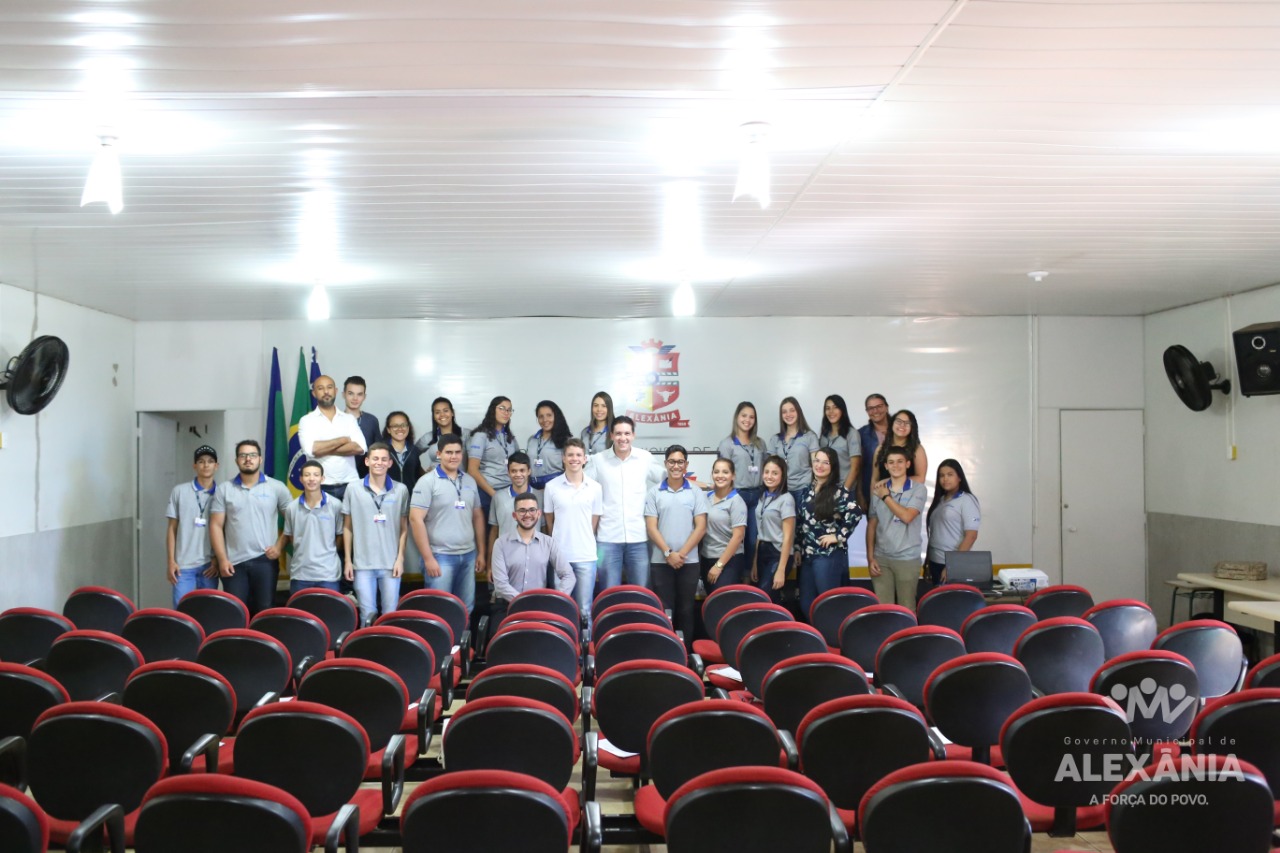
x: 572, y: 505
x: 331, y: 437
x: 448, y: 524
x: 625, y: 474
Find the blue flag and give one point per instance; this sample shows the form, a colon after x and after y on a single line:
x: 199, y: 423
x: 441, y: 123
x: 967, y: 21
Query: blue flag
x: 275, y: 444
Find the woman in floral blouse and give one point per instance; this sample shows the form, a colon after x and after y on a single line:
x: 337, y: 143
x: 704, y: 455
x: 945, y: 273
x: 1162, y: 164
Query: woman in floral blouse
x: 828, y: 515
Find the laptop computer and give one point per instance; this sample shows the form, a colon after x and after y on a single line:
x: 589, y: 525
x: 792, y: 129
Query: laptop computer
x: 971, y: 567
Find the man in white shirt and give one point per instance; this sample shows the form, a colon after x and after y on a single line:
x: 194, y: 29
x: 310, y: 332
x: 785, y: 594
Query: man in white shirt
x: 625, y: 474
x: 573, y: 503
x: 332, y: 438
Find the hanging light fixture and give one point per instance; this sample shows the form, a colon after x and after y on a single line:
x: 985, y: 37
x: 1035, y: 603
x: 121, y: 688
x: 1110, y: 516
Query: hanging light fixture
x: 753, y: 169
x: 682, y: 303
x: 318, y: 303
x: 104, y: 177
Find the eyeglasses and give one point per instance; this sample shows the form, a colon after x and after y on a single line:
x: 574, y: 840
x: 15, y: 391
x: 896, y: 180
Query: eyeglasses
x: 533, y: 510
x: 397, y: 426
x: 247, y: 455
x: 880, y: 408
x: 677, y: 463
x: 902, y: 422
x: 506, y: 409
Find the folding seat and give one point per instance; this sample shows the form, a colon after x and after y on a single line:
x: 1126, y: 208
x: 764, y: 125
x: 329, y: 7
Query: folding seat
x: 627, y: 613
x: 24, y: 826
x: 1213, y: 648
x: 1057, y: 749
x: 452, y: 610
x: 831, y: 608
x: 522, y: 736
x: 628, y: 699
x: 530, y: 682
x: 847, y: 745
x: 1060, y: 600
x: 27, y: 633
x: 570, y: 627
x: 968, y: 808
x: 1243, y: 724
x: 215, y: 610
x: 795, y: 686
x: 699, y: 737
x: 205, y: 812
x: 1159, y: 693
x: 97, y: 608
x: 304, y: 635
x: 1126, y: 625
x: 84, y: 755
x: 753, y: 810
x: 766, y: 646
x: 1265, y: 673
x: 996, y: 628
x: 92, y: 664
x: 546, y: 601
x: 375, y: 697
x: 256, y: 665
x: 437, y: 634
x: 627, y: 593
x: 908, y: 657
x: 319, y: 755
x: 949, y: 605
x: 863, y: 632
x: 456, y: 812
x: 714, y: 608
x: 408, y: 656
x: 969, y: 698
x: 536, y: 643
x: 163, y: 634
x: 1061, y: 654
x: 26, y: 693
x: 337, y: 611
x: 635, y: 642
x: 192, y: 705
x: 1232, y: 810
x: 735, y: 625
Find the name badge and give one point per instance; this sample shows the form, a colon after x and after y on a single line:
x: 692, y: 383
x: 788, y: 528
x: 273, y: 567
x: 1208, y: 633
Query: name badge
x: 537, y: 463
x: 459, y: 504
x: 753, y: 469
x: 200, y: 522
x: 380, y: 518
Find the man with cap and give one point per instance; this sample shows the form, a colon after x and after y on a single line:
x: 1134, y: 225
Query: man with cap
x: 332, y: 438
x: 187, y: 539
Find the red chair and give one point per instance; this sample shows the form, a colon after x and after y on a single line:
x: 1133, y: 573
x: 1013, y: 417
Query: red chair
x: 570, y: 627
x: 1213, y: 648
x: 215, y: 610
x: 452, y: 610
x: 257, y: 666
x: 546, y: 601
x: 636, y: 642
x: 863, y: 632
x: 715, y: 607
x: 437, y: 634
x: 376, y: 698
x: 1060, y: 600
x: 536, y: 643
x: 626, y: 593
x: 27, y: 634
x: 831, y: 608
x: 627, y: 613
x: 212, y: 812
x: 768, y: 645
x: 1060, y: 654
x: 1159, y: 693
x: 409, y: 657
x: 908, y: 657
x: 797, y: 685
x: 98, y: 608
x: 24, y: 827
x: 92, y: 665
x: 629, y: 698
x: 1126, y: 625
x: 949, y: 605
x: 337, y: 611
x: 1243, y: 724
x: 970, y: 698
x: 303, y: 634
x: 163, y: 634
x: 529, y: 681
x: 28, y: 693
x: 192, y: 705
x: 996, y: 628
x: 1265, y: 673
x: 735, y: 625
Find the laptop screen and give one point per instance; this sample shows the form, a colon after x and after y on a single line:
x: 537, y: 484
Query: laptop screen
x: 971, y: 567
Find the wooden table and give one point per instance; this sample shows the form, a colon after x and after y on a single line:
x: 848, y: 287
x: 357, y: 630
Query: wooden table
x: 1269, y: 611
x: 1227, y: 593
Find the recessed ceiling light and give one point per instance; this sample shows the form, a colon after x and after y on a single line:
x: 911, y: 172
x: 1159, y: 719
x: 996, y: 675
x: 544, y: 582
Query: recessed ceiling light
x: 1038, y: 275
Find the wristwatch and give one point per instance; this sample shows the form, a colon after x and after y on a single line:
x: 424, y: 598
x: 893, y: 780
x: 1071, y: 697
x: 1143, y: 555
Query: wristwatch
x: 668, y: 553
x: 718, y: 565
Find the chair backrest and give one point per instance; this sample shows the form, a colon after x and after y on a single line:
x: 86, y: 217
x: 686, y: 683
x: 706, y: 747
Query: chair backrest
x: 335, y: 610
x: 795, y: 686
x: 626, y: 613
x: 1265, y: 673
x: 971, y: 808
x: 536, y: 643
x: 90, y: 664
x: 27, y: 633
x: 1233, y: 810
x: 996, y: 628
x: 699, y: 737
x: 443, y: 604
x: 627, y: 593
x: 908, y: 657
x: 1061, y: 654
x: 163, y: 634
x: 527, y: 680
x: 433, y: 630
x: 638, y: 642
x: 1126, y: 625
x: 1213, y: 648
x: 970, y: 698
x: 215, y: 610
x: 24, y: 827
x: 253, y: 663
x: 185, y: 700
x: 455, y: 811
x: 864, y: 631
x: 224, y: 813
x: 546, y: 601
x: 98, y: 608
x: 28, y: 693
x: 631, y: 696
x: 370, y: 693
x: 831, y: 608
x: 1060, y: 600
x: 569, y: 626
x: 949, y: 605
x: 403, y: 652
x: 765, y: 646
x: 304, y: 635
x: 512, y: 733
x: 726, y: 598
x: 1243, y: 724
x: 749, y: 809
x: 744, y: 619
x: 1158, y: 691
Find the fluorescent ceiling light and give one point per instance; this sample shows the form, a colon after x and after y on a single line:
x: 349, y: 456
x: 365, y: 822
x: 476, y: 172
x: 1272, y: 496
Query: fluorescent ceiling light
x: 318, y: 303
x: 753, y: 170
x: 104, y: 183
x: 683, y: 303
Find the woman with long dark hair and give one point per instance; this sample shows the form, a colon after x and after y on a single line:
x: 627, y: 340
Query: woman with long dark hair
x: 490, y: 447
x: 443, y: 422
x: 828, y: 515
x: 953, y: 518
x: 746, y: 450
x: 546, y: 446
x: 406, y: 464
x: 836, y: 431
x: 595, y: 435
x: 794, y: 443
x: 776, y: 524
x: 904, y: 432
x: 675, y: 516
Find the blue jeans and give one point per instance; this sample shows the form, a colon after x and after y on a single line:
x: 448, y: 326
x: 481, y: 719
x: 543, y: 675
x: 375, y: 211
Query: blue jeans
x: 584, y: 588
x: 254, y: 583
x: 750, y: 497
x: 821, y: 573
x: 767, y: 558
x: 613, y: 557
x: 191, y: 579
x: 457, y: 575
x: 298, y: 586
x: 370, y: 584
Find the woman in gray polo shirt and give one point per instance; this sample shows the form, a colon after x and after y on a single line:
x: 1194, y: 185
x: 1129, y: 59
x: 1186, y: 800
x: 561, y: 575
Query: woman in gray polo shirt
x: 490, y: 447
x: 776, y: 522
x: 795, y: 443
x: 595, y: 435
x: 953, y: 517
x: 723, y: 555
x: 893, y: 531
x: 443, y: 422
x: 546, y: 446
x: 836, y: 430
x: 746, y: 450
x: 675, y: 515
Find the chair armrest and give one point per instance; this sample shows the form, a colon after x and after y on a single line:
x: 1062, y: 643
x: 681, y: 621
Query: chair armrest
x: 592, y: 828
x: 464, y: 644
x: 13, y: 762
x: 368, y: 619
x: 719, y: 693
x: 892, y: 690
x: 937, y: 746
x: 679, y: 633
x: 446, y: 680
x: 301, y: 669
x: 34, y: 663
x: 339, y: 640
x: 207, y: 744
x: 590, y: 761
x: 1037, y: 693
x: 789, y: 747
x: 392, y: 774
x: 112, y: 698
x: 426, y: 723
x: 839, y: 835
x: 696, y: 664
x: 267, y: 698
x: 589, y: 671
x: 585, y: 704
x: 345, y: 828
x: 90, y: 830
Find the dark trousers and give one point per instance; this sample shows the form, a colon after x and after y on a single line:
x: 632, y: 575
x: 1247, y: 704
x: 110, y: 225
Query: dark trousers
x: 935, y: 571
x: 735, y: 571
x: 676, y: 588
x: 254, y: 583
x: 767, y: 558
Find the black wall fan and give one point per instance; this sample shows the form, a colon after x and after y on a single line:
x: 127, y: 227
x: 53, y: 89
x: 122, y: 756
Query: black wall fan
x: 33, y: 377
x: 1194, y: 381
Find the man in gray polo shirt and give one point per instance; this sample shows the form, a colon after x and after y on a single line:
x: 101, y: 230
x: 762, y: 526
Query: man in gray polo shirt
x: 521, y: 558
x: 376, y: 528
x: 312, y: 524
x: 244, y: 529
x: 448, y: 524
x: 187, y: 536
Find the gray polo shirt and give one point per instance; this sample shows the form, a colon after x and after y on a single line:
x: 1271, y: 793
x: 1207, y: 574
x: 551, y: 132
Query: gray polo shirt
x: 189, y: 505
x: 314, y: 531
x: 950, y: 521
x: 895, y: 540
x: 449, y: 526
x: 547, y: 459
x: 770, y: 512
x: 375, y: 543
x: 493, y: 454
x: 503, y: 504
x: 431, y: 450
x: 596, y: 442
x: 252, y: 515
x: 675, y: 510
x: 748, y: 460
x: 722, y: 517
x: 797, y: 451
x: 840, y: 444
x: 519, y: 565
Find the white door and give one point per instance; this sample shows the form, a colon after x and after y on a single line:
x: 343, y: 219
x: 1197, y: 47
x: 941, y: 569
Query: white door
x: 1104, y: 539
x: 157, y: 474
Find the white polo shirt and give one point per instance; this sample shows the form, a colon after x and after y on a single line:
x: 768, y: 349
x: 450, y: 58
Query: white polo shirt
x: 314, y: 426
x: 624, y: 484
x: 573, y: 506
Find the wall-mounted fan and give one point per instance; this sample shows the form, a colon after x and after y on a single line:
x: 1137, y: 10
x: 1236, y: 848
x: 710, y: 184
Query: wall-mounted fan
x: 33, y: 377
x: 1194, y: 381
